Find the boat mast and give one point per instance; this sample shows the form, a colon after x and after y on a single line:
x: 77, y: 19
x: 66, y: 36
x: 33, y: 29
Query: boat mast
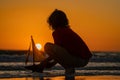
x: 33, y: 50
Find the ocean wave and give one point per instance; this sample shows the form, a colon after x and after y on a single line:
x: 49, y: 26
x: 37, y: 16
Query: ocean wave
x: 100, y: 64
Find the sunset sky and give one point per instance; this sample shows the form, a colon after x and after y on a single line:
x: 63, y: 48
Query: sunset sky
x: 96, y: 21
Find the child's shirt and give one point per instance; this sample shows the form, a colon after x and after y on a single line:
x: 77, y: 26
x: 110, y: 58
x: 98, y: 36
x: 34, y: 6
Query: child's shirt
x: 68, y: 39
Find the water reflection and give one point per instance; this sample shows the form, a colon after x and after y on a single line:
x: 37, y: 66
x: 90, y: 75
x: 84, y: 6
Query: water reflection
x: 53, y: 78
x: 67, y: 78
x: 41, y: 78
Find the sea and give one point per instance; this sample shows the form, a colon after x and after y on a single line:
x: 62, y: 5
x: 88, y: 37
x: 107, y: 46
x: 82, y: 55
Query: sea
x: 12, y: 64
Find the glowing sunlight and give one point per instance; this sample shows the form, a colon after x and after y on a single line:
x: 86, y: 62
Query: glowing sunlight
x: 39, y: 46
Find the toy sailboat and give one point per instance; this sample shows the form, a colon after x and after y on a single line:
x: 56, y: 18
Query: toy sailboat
x: 37, y: 55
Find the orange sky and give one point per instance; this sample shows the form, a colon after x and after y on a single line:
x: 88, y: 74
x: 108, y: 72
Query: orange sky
x: 96, y: 21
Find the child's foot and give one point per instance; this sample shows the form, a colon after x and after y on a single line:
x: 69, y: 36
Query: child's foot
x: 34, y: 68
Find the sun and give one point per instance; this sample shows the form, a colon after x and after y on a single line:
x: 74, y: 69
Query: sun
x: 39, y: 46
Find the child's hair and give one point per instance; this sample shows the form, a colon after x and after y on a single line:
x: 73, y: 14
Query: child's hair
x: 57, y: 19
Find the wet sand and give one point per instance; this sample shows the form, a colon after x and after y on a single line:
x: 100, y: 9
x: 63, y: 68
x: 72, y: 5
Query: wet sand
x: 108, y: 77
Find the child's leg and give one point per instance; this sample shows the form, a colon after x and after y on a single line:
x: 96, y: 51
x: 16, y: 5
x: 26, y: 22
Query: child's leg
x: 69, y: 71
x: 51, y: 63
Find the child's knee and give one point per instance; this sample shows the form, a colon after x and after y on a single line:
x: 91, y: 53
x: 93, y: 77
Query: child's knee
x: 48, y: 46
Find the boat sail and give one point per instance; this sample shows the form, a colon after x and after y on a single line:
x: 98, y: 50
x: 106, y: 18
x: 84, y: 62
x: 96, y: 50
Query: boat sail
x: 37, y: 55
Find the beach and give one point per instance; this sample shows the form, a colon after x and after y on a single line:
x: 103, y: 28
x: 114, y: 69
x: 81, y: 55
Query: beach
x: 102, y: 66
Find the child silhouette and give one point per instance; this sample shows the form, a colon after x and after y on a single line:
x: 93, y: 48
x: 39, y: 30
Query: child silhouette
x: 68, y: 49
